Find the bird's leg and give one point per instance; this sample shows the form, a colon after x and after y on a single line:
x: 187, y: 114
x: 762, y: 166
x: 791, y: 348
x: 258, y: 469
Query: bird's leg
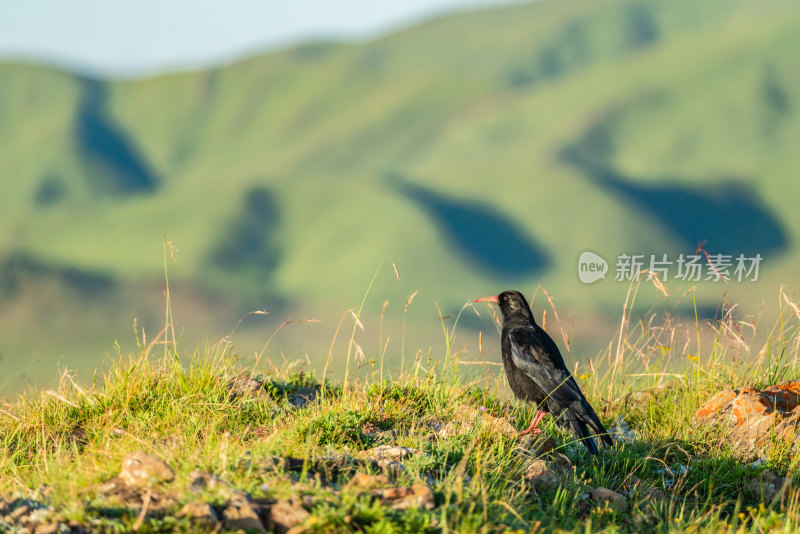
x: 532, y: 429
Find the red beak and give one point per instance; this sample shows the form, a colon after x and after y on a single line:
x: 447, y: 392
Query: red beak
x: 487, y: 299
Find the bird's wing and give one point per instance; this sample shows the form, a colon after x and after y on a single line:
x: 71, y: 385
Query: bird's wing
x: 528, y: 356
x: 532, y: 358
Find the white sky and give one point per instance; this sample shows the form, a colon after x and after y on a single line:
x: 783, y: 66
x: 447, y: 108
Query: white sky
x: 134, y: 37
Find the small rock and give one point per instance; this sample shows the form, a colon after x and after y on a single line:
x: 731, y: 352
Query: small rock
x: 240, y: 514
x: 302, y: 396
x: 204, y: 481
x: 286, y: 514
x: 393, y: 467
x: 50, y: 528
x: 274, y: 464
x: 498, y: 425
x: 536, y: 445
x: 770, y: 485
x: 562, y: 462
x: 384, y: 435
x: 395, y: 497
x: 21, y: 511
x: 41, y: 515
x: 142, y: 469
x: 621, y: 431
x: 403, y: 498
x: 201, y: 513
x: 466, y: 418
x: 391, y: 452
x: 43, y: 491
x: 539, y: 475
x: 389, y: 456
x: 364, y: 482
x: 615, y: 500
x: 247, y: 386
x: 435, y: 425
x: 119, y: 491
x: 547, y: 471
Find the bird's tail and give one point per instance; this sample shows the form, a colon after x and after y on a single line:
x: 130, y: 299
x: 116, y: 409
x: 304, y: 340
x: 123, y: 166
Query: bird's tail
x: 597, y: 427
x: 580, y: 430
x: 579, y: 419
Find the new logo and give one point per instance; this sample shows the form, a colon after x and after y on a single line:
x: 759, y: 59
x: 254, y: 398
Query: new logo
x: 591, y: 267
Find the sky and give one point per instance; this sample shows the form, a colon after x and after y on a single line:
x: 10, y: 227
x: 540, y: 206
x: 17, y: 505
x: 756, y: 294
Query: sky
x: 140, y: 37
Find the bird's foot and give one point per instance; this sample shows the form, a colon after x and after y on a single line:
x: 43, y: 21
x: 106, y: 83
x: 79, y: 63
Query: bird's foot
x: 531, y: 431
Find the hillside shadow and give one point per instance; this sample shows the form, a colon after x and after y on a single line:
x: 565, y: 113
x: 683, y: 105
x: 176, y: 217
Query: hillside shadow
x: 247, y: 253
x: 728, y: 214
x: 481, y: 234
x: 574, y: 46
x: 116, y: 163
x: 642, y: 26
x: 567, y: 50
x: 51, y: 191
x: 18, y: 269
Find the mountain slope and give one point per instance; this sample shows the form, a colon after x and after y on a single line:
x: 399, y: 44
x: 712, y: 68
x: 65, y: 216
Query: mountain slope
x: 284, y: 180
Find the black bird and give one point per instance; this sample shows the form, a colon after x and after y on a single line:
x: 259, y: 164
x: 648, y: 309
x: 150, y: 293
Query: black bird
x: 536, y: 372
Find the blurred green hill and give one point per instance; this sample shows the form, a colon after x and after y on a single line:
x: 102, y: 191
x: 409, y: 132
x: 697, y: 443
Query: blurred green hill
x: 478, y: 152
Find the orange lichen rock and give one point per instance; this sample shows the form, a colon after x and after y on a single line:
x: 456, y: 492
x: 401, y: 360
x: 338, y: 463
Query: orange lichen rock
x: 784, y: 397
x: 744, y: 402
x: 714, y: 406
x: 754, y: 416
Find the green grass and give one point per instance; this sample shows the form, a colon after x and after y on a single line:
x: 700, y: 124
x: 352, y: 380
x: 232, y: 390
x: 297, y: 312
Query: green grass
x: 57, y: 446
x: 474, y: 106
